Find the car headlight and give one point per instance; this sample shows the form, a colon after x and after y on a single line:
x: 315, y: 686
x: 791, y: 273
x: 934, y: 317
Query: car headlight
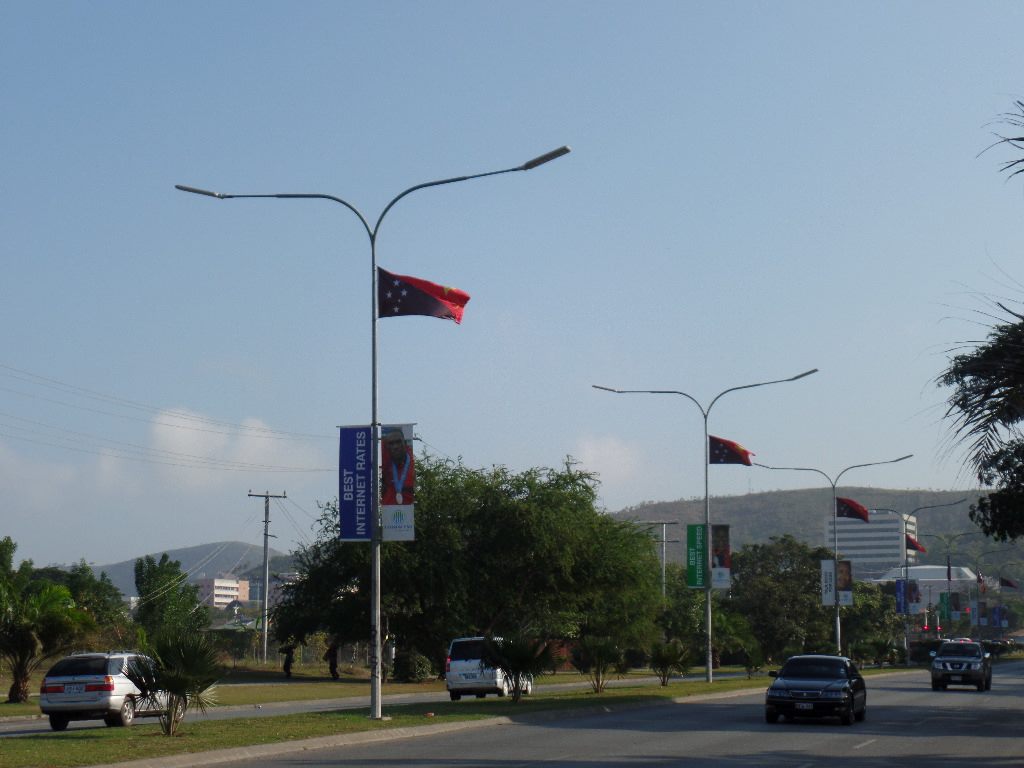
x: 975, y: 665
x: 778, y: 693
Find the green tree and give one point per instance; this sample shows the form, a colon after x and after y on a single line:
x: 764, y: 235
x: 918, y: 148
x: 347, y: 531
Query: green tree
x: 38, y: 621
x: 496, y: 553
x: 682, y: 616
x: 872, y: 629
x: 100, y: 599
x: 167, y: 602
x: 519, y: 659
x: 986, y: 407
x: 673, y: 657
x: 777, y: 587
x: 185, y: 669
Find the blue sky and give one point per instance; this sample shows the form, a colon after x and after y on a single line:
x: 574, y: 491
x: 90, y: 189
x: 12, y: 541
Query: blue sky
x: 755, y: 189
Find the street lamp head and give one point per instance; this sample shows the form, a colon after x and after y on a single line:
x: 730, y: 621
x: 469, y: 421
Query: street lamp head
x: 805, y: 373
x: 197, y: 191
x: 554, y: 154
x: 604, y: 389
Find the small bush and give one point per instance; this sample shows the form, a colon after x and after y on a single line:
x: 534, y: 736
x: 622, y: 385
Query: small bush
x: 412, y: 667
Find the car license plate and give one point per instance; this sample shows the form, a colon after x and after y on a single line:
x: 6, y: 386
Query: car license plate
x: 954, y: 678
x: 74, y: 688
x: 804, y: 705
x: 469, y: 676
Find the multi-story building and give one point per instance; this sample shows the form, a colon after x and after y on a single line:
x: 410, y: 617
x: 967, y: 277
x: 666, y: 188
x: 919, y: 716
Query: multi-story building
x: 876, y: 546
x: 221, y: 592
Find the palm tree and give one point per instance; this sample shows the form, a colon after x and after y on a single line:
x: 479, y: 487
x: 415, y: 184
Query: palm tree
x: 182, y: 675
x: 520, y: 659
x: 38, y: 621
x: 670, y: 658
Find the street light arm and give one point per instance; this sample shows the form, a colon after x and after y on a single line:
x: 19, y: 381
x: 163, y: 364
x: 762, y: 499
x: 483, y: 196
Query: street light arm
x: 760, y: 384
x: 872, y: 464
x: 282, y: 196
x: 936, y: 506
x: 691, y: 398
x: 527, y: 166
x: 799, y: 469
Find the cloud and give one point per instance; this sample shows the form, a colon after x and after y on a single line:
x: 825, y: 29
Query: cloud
x: 618, y: 463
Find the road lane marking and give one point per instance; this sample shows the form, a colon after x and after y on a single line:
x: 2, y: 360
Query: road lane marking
x: 865, y: 743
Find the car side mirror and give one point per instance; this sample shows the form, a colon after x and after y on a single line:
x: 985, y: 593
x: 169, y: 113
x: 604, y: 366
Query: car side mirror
x: 988, y: 655
x: 773, y: 673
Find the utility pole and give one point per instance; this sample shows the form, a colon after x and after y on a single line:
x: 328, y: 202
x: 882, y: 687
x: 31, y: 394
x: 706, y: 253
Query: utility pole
x: 664, y: 540
x: 266, y: 496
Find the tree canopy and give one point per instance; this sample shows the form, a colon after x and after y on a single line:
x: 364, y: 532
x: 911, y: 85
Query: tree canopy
x: 496, y: 553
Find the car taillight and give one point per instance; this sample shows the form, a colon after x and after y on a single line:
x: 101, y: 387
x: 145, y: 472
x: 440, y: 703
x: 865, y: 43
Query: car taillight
x: 448, y: 664
x: 51, y: 688
x: 106, y: 685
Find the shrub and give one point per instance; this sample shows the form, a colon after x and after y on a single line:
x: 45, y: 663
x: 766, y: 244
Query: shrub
x: 412, y: 667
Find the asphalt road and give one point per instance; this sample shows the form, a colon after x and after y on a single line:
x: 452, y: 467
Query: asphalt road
x: 907, y: 724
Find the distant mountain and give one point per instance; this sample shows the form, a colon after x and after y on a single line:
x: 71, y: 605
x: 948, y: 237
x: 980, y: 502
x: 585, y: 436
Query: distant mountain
x: 204, y: 561
x: 803, y: 514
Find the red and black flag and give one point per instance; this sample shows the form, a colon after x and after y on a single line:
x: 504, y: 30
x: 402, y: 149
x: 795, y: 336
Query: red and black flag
x: 405, y: 295
x: 914, y: 544
x: 1005, y: 581
x: 722, y: 451
x: 850, y: 508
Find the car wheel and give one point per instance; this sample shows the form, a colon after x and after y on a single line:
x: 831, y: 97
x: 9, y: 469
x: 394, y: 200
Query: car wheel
x: 988, y: 683
x: 455, y: 696
x: 936, y: 686
x: 481, y: 695
x: 847, y: 717
x: 503, y: 691
x: 981, y: 685
x: 771, y: 717
x: 127, y: 714
x: 59, y: 722
x: 528, y: 688
x: 859, y: 716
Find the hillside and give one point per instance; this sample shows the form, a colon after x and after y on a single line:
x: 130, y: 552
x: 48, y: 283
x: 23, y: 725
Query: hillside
x: 199, y: 562
x: 756, y: 517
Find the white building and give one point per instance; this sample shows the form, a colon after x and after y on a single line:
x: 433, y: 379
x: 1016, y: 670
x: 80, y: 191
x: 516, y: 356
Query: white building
x: 876, y: 546
x: 221, y: 592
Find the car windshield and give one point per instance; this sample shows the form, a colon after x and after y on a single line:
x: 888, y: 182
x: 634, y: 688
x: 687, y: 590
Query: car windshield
x: 818, y: 668
x: 970, y: 650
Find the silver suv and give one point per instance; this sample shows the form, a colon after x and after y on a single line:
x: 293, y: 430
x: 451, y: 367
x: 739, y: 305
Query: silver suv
x: 959, y: 662
x: 90, y: 686
x: 465, y: 671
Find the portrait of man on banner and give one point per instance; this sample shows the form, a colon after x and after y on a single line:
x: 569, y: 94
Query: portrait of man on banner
x: 844, y: 582
x: 398, y: 467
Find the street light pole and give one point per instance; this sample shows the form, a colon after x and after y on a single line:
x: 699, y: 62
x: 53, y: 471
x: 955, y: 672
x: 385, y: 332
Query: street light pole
x: 835, y: 526
x: 906, y: 563
x: 375, y: 541
x: 705, y: 412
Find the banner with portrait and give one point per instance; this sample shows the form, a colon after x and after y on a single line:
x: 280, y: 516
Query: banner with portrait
x: 397, y: 483
x: 721, y: 557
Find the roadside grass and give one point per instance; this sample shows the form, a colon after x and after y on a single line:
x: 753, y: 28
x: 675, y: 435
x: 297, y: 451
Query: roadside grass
x: 93, y: 746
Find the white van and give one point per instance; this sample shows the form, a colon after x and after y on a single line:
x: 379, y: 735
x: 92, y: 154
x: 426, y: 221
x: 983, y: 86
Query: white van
x: 466, y: 673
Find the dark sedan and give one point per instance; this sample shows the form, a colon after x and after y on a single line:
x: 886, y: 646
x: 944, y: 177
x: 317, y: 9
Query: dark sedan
x: 816, y: 686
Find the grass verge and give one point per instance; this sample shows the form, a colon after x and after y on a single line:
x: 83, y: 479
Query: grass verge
x: 144, y: 740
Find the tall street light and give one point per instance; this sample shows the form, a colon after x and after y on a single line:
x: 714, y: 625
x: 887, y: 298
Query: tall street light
x: 835, y: 525
x: 906, y: 563
x: 375, y: 541
x: 705, y: 412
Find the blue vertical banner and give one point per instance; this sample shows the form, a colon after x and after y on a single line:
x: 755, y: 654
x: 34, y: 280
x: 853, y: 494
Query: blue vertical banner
x: 901, y: 597
x: 357, y: 494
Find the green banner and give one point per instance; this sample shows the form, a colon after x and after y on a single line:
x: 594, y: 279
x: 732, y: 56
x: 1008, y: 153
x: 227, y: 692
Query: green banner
x: 696, y: 557
x: 944, y: 606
